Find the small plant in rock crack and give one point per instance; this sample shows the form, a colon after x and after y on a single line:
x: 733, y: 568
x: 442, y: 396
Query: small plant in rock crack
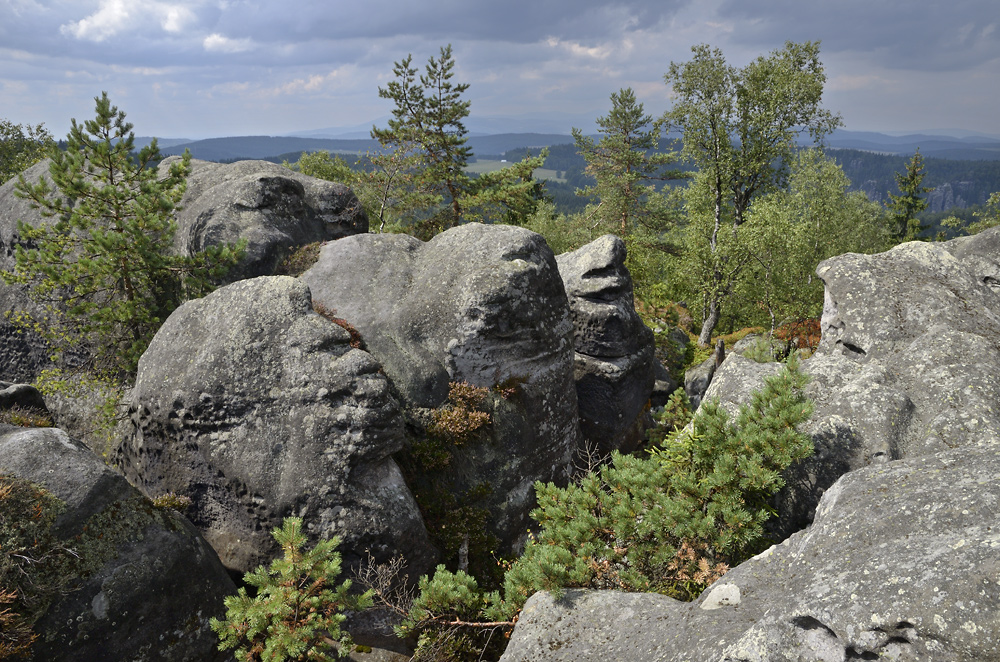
x: 331, y: 314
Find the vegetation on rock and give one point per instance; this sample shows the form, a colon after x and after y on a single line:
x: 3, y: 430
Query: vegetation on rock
x: 101, y: 268
x: 297, y: 607
x: 672, y: 522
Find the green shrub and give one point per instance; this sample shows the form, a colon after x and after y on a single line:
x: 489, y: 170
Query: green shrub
x: 671, y: 522
x: 297, y: 610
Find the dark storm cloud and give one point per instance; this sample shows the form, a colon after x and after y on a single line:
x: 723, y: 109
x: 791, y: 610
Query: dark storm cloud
x: 923, y: 35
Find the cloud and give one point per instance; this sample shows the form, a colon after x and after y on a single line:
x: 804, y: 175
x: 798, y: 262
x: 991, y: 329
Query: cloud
x: 218, y: 43
x: 112, y: 17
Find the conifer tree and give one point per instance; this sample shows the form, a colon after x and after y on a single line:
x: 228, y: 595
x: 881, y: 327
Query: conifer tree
x: 428, y: 120
x: 903, y: 208
x: 297, y: 610
x: 100, y: 266
x: 625, y: 164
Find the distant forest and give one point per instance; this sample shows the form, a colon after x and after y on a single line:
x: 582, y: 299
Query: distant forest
x: 956, y: 184
x: 959, y: 186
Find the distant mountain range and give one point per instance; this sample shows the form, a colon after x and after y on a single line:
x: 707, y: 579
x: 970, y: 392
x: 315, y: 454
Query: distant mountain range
x: 969, y: 147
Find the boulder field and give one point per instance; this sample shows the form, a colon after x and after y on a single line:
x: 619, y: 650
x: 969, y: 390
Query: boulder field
x: 900, y: 555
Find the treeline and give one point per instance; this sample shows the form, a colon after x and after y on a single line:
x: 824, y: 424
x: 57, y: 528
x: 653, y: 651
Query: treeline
x: 955, y: 184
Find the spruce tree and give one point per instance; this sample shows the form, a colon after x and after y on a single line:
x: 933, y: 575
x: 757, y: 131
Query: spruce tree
x: 903, y: 208
x: 100, y: 266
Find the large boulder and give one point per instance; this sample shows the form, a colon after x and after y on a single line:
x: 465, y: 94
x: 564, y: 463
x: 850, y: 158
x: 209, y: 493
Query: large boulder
x: 479, y: 304
x: 614, y: 363
x: 900, y: 564
x: 258, y: 409
x: 151, y: 582
x: 273, y: 208
x: 899, y: 557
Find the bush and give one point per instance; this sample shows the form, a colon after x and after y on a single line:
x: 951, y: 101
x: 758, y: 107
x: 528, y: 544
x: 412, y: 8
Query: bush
x: 671, y: 522
x: 297, y: 610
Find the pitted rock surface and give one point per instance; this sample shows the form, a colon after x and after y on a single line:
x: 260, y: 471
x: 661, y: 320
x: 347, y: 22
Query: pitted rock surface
x: 614, y: 360
x: 901, y: 564
x: 257, y: 408
x: 157, y: 574
x: 482, y: 304
x: 274, y: 208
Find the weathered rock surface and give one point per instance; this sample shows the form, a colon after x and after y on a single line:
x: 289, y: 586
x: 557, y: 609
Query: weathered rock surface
x: 275, y: 209
x: 156, y: 581
x: 900, y: 564
x: 258, y: 408
x: 480, y: 304
x: 900, y: 561
x: 23, y: 396
x: 614, y: 360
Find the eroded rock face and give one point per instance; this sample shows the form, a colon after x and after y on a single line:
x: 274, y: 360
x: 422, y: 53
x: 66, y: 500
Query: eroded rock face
x: 900, y: 564
x: 478, y: 304
x: 275, y: 209
x: 900, y: 560
x: 614, y: 359
x: 257, y: 408
x: 154, y: 573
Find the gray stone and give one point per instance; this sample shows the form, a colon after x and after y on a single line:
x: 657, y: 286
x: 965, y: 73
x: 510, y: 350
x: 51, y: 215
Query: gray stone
x: 258, y: 409
x: 901, y: 563
x: 23, y: 396
x: 899, y: 560
x: 614, y: 361
x: 480, y: 304
x: 156, y: 574
x: 272, y: 207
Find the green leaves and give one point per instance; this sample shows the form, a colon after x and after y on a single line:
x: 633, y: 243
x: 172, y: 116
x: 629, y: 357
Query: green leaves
x: 739, y: 128
x: 427, y: 121
x: 297, y: 610
x: 100, y: 268
x: 21, y: 146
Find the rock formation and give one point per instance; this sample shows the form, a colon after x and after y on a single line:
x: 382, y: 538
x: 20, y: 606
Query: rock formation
x: 273, y: 208
x: 258, y: 408
x: 900, y: 559
x: 479, y: 304
x: 155, y: 582
x: 614, y: 359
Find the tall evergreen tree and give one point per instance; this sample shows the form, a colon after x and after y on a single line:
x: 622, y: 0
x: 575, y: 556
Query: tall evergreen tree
x: 903, y: 208
x: 427, y: 120
x: 100, y: 267
x: 625, y: 164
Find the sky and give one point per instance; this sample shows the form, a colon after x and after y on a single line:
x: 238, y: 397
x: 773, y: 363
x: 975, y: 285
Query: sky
x: 206, y: 68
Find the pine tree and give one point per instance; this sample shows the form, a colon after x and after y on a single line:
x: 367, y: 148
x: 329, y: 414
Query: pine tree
x: 427, y: 120
x: 296, y: 613
x: 672, y: 522
x: 625, y: 164
x: 100, y: 267
x: 903, y: 208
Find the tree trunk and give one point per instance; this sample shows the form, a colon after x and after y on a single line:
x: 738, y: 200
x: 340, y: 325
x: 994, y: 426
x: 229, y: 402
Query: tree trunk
x: 705, y: 337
